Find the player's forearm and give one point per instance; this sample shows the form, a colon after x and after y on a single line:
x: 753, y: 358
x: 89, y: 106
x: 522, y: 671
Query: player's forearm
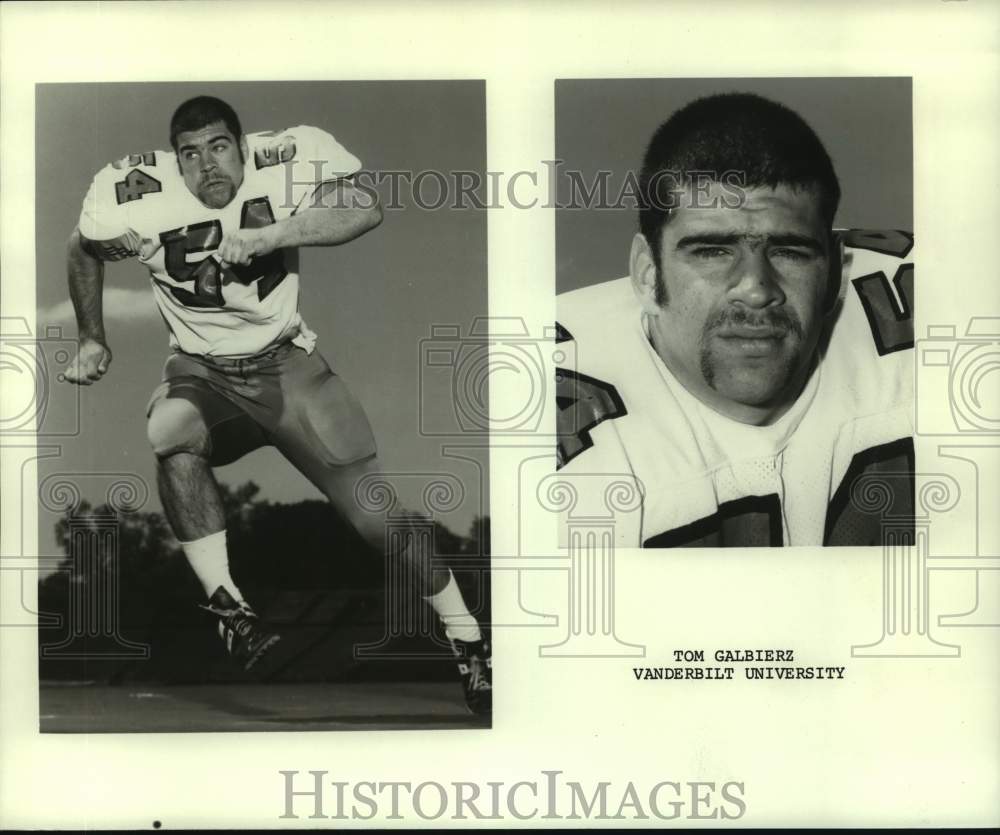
x: 322, y: 227
x: 86, y: 287
x: 319, y: 227
x: 335, y: 214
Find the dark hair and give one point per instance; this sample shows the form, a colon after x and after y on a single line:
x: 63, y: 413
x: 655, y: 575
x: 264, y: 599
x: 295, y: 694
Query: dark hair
x: 195, y: 113
x: 764, y: 142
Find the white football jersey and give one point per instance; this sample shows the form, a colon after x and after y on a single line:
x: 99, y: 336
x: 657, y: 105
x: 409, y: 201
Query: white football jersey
x: 707, y: 480
x: 233, y: 312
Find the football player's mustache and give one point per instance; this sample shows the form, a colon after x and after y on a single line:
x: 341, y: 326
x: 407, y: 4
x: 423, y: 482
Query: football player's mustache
x: 747, y: 323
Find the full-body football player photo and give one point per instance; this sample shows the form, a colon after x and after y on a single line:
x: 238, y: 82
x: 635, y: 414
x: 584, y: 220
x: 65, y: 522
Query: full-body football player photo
x: 217, y: 217
x: 756, y: 361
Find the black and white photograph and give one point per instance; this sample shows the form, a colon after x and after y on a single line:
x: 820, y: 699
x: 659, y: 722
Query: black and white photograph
x: 254, y: 518
x: 753, y: 369
x: 499, y: 415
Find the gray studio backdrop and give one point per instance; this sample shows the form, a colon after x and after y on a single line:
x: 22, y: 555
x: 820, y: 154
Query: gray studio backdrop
x: 866, y: 125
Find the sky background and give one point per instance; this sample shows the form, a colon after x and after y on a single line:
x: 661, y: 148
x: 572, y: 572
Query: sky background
x: 866, y: 125
x: 373, y: 301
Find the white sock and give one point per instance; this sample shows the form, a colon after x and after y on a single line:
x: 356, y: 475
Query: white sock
x: 210, y: 560
x: 450, y: 607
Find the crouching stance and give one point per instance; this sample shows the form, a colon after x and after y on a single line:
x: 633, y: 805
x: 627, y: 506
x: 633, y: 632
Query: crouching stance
x: 243, y: 371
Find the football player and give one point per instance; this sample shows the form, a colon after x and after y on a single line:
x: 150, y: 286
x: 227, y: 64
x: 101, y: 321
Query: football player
x: 756, y: 363
x: 217, y: 222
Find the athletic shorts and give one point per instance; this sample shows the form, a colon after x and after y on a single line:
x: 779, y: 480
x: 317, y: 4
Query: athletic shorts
x: 284, y: 398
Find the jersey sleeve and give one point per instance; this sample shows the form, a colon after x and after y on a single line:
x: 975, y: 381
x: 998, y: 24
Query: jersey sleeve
x: 102, y: 216
x: 315, y: 156
x: 879, y: 266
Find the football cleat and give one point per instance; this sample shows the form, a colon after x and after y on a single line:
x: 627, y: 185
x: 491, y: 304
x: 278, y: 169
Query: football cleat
x: 475, y: 663
x: 240, y: 629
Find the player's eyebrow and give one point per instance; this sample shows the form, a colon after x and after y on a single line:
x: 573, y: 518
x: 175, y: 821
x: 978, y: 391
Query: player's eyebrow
x: 708, y: 239
x: 193, y: 147
x: 731, y: 238
x: 795, y: 239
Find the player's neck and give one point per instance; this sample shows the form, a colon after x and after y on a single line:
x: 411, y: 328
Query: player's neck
x: 752, y: 415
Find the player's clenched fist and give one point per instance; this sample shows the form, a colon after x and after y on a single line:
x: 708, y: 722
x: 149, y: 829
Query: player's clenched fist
x: 241, y: 245
x: 90, y: 364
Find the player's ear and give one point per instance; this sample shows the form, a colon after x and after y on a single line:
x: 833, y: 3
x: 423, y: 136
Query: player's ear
x: 642, y: 270
x: 244, y: 148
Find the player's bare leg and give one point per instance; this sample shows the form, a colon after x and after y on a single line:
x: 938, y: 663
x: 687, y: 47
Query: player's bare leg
x: 188, y: 490
x: 192, y: 504
x: 190, y: 495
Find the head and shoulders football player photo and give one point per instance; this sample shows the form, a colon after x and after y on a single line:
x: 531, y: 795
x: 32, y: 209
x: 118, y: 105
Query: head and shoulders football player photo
x: 756, y: 364
x: 217, y: 220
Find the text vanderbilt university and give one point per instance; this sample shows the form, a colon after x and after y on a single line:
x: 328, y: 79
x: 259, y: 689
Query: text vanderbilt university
x: 727, y: 673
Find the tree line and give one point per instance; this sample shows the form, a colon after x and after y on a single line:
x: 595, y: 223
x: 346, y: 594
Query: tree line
x: 126, y: 599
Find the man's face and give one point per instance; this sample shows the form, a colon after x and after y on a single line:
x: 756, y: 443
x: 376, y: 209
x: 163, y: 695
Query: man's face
x: 745, y: 288
x: 211, y: 161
